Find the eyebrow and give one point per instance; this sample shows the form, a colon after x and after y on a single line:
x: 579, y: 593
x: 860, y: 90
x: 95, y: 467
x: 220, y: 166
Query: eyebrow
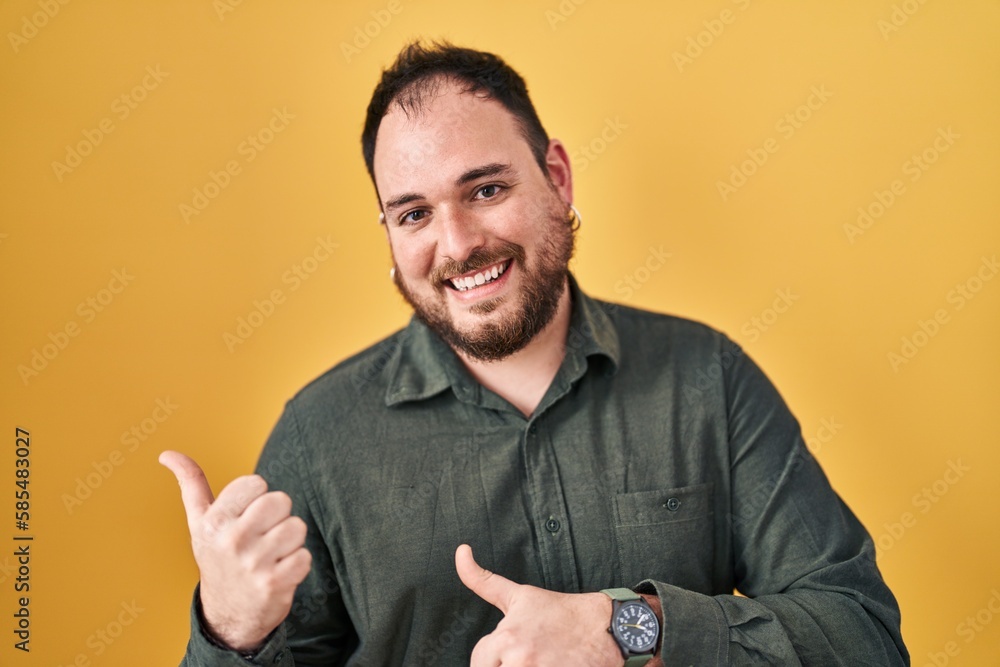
x: 491, y: 169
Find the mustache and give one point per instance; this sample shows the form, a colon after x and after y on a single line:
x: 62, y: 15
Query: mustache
x: 478, y: 259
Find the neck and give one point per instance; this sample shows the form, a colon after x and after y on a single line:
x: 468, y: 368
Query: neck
x: 524, y: 377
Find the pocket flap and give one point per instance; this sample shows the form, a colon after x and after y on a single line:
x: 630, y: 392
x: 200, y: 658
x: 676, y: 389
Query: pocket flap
x: 643, y: 508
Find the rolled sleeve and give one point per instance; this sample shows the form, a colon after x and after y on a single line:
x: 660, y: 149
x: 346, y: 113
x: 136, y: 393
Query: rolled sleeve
x: 204, y: 651
x: 694, y: 631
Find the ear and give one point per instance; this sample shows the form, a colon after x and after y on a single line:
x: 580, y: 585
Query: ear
x: 558, y: 164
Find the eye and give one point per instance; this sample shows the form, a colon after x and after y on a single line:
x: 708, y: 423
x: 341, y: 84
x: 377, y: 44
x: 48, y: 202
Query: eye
x: 489, y: 191
x: 412, y: 217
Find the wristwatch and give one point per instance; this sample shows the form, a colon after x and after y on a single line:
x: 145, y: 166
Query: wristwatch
x: 633, y: 625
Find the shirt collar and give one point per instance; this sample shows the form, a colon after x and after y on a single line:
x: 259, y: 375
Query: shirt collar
x: 424, y: 365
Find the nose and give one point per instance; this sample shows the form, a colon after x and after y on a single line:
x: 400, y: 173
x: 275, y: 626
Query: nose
x: 460, y: 234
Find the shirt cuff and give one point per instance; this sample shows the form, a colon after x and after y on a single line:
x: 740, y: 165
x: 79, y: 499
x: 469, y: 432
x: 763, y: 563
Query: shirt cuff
x: 204, y: 650
x: 694, y: 629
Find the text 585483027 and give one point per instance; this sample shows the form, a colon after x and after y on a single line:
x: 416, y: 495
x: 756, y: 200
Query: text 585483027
x: 22, y: 473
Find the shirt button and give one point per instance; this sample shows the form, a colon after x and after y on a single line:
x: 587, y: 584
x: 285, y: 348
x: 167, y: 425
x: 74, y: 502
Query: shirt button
x: 532, y: 429
x: 552, y: 525
x: 672, y: 504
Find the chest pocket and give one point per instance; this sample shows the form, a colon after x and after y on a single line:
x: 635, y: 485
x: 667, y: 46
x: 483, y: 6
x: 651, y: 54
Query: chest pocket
x: 666, y: 535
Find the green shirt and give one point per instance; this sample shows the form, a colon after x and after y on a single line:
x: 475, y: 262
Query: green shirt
x: 660, y: 459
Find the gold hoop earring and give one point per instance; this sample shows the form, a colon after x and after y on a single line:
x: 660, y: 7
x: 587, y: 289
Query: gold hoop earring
x: 577, y: 219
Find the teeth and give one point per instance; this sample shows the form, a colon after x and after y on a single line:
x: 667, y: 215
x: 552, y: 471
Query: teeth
x: 481, y: 278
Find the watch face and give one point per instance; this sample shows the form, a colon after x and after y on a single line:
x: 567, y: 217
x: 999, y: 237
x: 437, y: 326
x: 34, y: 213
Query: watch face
x: 635, y: 626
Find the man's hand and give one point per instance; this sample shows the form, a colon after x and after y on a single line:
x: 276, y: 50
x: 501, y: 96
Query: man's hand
x: 539, y: 627
x: 249, y: 550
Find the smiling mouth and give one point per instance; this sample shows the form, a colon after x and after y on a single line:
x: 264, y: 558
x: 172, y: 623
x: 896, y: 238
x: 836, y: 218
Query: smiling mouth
x: 484, y: 277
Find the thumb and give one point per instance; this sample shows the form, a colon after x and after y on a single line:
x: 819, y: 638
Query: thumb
x: 195, y: 492
x: 495, y: 589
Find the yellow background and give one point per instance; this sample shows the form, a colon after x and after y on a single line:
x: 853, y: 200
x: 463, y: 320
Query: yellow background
x: 672, y: 129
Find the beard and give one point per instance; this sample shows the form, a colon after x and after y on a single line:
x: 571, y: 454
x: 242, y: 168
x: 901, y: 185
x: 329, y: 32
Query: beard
x: 537, y: 301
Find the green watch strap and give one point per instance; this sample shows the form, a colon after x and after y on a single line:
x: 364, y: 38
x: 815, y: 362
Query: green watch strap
x: 621, y: 594
x: 638, y: 660
x: 628, y: 595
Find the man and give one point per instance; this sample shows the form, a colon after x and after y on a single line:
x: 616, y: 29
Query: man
x: 581, y: 449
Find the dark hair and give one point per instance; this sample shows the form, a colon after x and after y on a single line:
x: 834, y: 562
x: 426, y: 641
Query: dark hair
x: 419, y: 70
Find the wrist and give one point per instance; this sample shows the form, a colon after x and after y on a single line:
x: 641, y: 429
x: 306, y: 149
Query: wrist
x: 635, y: 625
x: 607, y: 651
x: 247, y: 648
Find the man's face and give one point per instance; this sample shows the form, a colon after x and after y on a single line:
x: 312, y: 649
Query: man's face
x: 478, y: 233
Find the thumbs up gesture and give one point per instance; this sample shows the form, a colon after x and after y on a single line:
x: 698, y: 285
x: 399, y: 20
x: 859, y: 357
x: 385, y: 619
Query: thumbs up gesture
x: 249, y: 550
x: 539, y: 627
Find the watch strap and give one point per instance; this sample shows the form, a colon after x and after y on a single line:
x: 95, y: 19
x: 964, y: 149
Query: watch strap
x: 621, y: 594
